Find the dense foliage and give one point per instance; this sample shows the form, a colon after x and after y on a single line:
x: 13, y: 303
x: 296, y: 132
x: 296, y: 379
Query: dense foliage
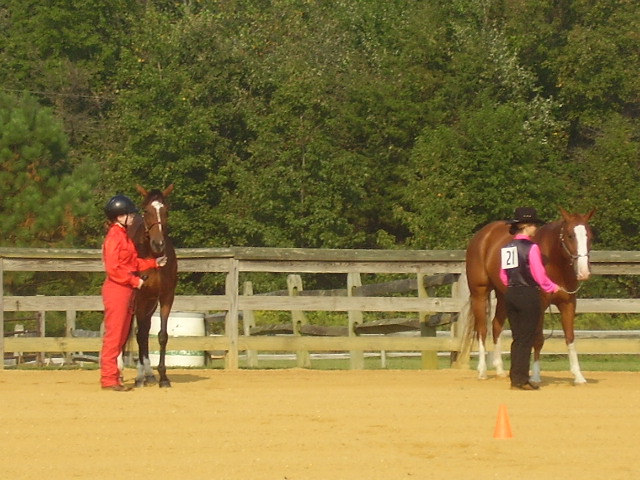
x: 317, y: 123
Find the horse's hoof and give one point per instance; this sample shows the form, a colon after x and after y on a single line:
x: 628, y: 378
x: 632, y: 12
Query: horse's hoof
x: 150, y: 380
x: 139, y: 383
x: 165, y: 384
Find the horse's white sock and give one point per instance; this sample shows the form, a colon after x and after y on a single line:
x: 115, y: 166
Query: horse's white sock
x: 482, y: 360
x: 574, y: 365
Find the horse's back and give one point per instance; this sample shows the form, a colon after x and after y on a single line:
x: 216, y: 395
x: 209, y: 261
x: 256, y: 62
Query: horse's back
x: 483, y: 257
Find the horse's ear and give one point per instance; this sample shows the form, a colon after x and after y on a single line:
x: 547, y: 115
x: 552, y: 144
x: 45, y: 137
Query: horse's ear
x: 142, y: 190
x: 167, y: 190
x: 589, y: 215
x: 564, y: 213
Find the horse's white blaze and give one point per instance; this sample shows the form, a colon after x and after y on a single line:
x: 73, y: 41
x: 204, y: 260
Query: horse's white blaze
x: 158, y: 206
x: 582, y: 265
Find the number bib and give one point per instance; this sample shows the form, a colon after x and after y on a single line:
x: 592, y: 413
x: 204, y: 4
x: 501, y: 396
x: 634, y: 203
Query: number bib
x: 509, y: 256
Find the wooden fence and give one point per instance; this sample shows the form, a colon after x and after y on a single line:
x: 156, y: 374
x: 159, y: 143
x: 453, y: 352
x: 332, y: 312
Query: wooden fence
x: 235, y: 301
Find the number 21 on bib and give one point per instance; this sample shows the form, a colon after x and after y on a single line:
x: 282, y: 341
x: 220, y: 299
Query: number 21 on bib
x: 509, y: 256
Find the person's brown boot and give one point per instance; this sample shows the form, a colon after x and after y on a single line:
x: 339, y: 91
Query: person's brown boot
x: 524, y: 386
x: 117, y: 388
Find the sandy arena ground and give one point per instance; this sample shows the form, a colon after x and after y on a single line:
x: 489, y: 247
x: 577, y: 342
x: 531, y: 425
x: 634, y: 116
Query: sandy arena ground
x: 308, y: 424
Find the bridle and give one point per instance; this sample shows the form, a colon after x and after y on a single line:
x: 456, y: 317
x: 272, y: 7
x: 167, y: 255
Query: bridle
x: 157, y: 205
x: 566, y: 249
x: 572, y: 257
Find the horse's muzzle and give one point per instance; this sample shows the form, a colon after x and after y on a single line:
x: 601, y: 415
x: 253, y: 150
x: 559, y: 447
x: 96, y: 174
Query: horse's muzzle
x: 157, y: 246
x: 582, y: 276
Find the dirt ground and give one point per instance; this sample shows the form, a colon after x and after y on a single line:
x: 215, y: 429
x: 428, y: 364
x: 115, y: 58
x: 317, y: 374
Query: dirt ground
x: 308, y: 424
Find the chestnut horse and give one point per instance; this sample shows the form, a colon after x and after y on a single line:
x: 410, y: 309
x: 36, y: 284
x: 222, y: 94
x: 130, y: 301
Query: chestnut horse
x: 149, y: 234
x: 565, y: 247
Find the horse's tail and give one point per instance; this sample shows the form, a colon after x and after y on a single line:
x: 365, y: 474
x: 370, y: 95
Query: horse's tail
x: 465, y: 333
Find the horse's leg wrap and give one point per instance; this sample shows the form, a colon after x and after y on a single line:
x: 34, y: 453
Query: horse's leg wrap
x: 535, y: 372
x: 574, y: 365
x: 145, y: 374
x: 139, y: 374
x: 148, y: 371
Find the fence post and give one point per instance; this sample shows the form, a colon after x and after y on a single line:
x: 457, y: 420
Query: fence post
x: 248, y: 321
x: 356, y: 357
x: 298, y: 318
x: 231, y: 322
x: 70, y: 327
x: 429, y: 358
x: 42, y: 325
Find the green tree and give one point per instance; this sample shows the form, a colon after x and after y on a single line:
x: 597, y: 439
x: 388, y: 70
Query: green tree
x: 249, y: 110
x: 65, y: 53
x: 597, y: 68
x: 465, y: 175
x: 608, y: 178
x: 495, y: 142
x: 43, y: 198
x: 176, y: 120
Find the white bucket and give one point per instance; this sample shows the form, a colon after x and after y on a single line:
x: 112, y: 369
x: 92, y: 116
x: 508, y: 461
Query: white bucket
x: 180, y: 324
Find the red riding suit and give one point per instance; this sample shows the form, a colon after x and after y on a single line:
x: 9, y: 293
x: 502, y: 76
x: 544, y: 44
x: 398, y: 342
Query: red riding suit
x: 121, y: 264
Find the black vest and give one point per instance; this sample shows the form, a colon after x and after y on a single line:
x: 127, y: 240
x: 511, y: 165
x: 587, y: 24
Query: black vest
x: 520, y: 276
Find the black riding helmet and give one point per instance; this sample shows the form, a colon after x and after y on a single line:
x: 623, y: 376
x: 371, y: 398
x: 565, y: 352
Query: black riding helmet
x: 119, y: 205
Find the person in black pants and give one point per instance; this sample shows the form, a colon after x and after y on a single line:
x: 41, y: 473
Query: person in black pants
x: 524, y: 275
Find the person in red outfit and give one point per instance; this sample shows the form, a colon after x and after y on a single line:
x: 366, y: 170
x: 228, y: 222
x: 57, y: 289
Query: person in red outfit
x: 121, y: 264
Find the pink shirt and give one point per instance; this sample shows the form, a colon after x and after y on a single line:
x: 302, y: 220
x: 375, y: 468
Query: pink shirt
x: 538, y: 272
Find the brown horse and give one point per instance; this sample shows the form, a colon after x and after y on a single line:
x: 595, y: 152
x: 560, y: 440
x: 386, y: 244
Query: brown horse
x: 150, y: 235
x: 565, y: 246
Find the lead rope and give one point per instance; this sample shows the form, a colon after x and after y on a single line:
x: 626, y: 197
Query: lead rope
x: 573, y: 292
x: 552, y: 330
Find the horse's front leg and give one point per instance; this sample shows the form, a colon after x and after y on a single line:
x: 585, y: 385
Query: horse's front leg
x: 144, y: 373
x: 574, y: 365
x: 163, y: 338
x: 568, y: 314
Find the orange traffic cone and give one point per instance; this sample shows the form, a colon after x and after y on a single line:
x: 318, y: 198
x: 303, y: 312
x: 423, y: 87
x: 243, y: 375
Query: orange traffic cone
x: 503, y: 426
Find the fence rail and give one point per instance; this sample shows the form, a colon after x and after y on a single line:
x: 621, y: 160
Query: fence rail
x: 418, y: 265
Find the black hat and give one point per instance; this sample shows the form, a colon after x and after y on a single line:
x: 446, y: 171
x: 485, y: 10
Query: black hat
x: 119, y: 205
x: 525, y: 215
